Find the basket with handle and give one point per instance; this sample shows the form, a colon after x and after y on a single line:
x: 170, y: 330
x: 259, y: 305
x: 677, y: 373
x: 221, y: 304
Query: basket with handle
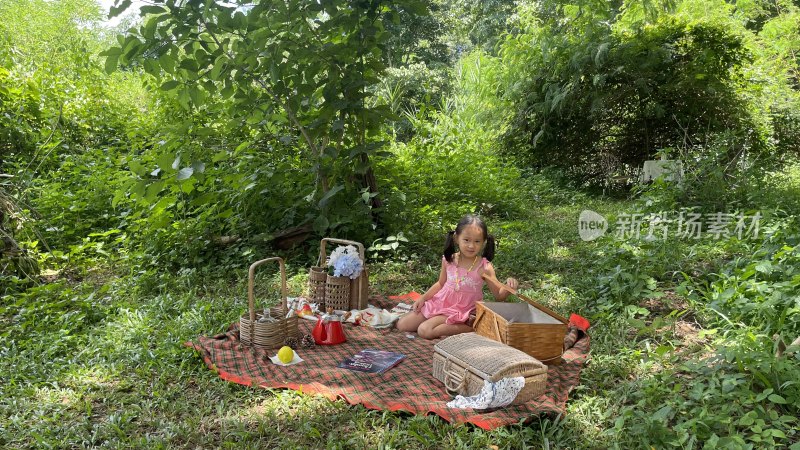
x: 267, y: 334
x: 464, y: 361
x: 340, y: 293
x: 530, y: 326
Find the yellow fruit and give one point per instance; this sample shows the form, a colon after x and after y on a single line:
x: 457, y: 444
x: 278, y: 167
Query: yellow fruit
x: 286, y: 354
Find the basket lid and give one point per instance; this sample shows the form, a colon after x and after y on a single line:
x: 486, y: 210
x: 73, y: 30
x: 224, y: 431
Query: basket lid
x: 533, y: 303
x: 492, y: 359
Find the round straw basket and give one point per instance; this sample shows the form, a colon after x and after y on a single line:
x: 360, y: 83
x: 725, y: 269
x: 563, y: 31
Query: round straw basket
x: 337, y: 293
x: 317, y: 276
x: 267, y: 334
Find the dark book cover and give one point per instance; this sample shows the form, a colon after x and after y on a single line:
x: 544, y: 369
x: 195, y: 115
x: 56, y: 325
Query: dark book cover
x: 372, y: 361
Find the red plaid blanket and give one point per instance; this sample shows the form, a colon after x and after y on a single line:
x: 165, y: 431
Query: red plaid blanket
x: 409, y: 386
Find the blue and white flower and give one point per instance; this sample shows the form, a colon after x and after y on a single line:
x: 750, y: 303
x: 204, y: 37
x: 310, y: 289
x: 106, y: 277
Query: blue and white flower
x: 346, y: 262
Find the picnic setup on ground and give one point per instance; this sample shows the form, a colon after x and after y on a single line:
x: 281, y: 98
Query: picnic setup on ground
x: 506, y: 363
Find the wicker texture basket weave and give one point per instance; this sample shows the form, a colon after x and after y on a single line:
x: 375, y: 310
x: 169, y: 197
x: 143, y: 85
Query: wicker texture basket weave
x: 462, y: 362
x: 317, y: 276
x: 337, y: 293
x: 267, y: 334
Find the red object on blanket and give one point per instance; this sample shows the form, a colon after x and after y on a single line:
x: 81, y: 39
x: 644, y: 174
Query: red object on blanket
x: 328, y: 332
x: 579, y: 322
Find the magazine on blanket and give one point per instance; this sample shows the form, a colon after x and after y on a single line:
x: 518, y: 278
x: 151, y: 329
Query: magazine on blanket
x: 372, y: 361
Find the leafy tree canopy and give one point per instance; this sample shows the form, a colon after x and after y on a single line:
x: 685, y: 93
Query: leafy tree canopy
x: 289, y: 70
x: 603, y: 86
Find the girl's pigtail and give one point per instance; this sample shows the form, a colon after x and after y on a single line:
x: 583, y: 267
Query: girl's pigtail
x: 449, y: 246
x: 488, y: 249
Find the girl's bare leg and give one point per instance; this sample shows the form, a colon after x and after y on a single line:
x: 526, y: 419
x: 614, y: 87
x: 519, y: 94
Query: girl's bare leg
x: 435, y: 327
x: 410, y: 321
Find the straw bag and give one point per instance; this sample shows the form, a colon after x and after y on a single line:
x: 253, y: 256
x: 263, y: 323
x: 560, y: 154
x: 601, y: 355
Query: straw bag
x: 462, y: 362
x: 530, y: 327
x: 340, y: 293
x: 267, y: 334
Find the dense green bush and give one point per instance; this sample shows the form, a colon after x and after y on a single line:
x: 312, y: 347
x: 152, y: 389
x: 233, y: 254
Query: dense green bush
x: 597, y: 92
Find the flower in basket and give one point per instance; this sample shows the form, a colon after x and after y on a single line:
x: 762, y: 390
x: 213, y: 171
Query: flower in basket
x: 346, y: 262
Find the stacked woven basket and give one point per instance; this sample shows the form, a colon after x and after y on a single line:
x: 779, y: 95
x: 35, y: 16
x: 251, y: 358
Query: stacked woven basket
x: 339, y: 293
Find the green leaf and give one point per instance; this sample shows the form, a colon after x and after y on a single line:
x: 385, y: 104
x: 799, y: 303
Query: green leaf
x: 663, y: 414
x: 152, y: 67
x: 663, y: 350
x: 169, y: 85
x: 153, y: 190
x: 152, y: 9
x: 775, y: 398
x: 227, y: 92
x: 164, y: 161
x: 748, y: 419
x: 167, y: 63
x: 184, y: 99
x: 189, y: 64
x: 113, y: 51
x: 764, y: 267
x: 139, y: 189
x: 137, y: 167
x: 111, y: 63
x: 778, y: 433
x: 219, y: 65
x: 188, y: 186
x: 220, y: 156
x: 197, y: 96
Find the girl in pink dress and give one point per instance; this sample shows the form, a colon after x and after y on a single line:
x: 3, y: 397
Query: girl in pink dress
x: 443, y: 310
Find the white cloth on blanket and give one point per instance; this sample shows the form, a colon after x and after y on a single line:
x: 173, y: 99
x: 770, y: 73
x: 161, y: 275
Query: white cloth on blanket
x: 373, y: 317
x: 493, y: 395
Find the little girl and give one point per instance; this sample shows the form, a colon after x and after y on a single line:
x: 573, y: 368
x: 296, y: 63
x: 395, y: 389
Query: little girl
x: 445, y: 308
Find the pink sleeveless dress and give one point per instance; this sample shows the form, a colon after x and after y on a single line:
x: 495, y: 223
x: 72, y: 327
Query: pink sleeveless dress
x: 457, y: 298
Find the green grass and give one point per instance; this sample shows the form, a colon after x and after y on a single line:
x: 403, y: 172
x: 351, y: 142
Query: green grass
x: 99, y: 362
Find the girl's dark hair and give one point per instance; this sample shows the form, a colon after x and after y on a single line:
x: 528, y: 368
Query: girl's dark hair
x: 469, y: 219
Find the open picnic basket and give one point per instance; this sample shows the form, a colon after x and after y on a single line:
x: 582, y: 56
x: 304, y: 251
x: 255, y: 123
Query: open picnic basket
x: 339, y: 293
x: 530, y: 327
x: 280, y: 325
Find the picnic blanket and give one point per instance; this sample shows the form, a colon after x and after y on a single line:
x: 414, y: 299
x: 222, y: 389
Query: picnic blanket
x: 409, y: 386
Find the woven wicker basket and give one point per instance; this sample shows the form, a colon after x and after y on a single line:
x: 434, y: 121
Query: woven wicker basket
x: 321, y: 285
x: 317, y: 276
x: 267, y: 334
x: 337, y: 293
x: 462, y: 362
x: 530, y: 327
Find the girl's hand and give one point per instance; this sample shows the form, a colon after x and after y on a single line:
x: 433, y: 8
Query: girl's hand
x: 418, y: 304
x: 512, y: 283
